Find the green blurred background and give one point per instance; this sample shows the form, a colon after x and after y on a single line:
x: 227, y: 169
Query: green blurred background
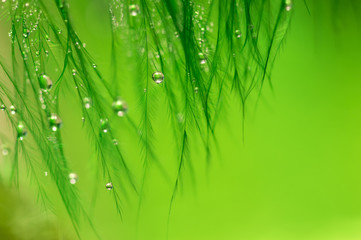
x: 296, y: 176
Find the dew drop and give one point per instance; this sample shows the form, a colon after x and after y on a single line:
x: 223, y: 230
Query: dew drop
x: 45, y: 82
x: 180, y: 117
x: 196, y: 89
x: 120, y: 107
x: 54, y: 122
x: 202, y: 58
x: 73, y: 72
x: 26, y: 32
x: 133, y: 9
x: 238, y: 33
x: 87, y: 102
x: 104, y: 124
x: 109, y: 186
x: 2, y: 107
x: 73, y: 178
x: 21, y: 130
x: 158, y: 77
x: 288, y: 4
x: 12, y: 109
x: 5, y: 150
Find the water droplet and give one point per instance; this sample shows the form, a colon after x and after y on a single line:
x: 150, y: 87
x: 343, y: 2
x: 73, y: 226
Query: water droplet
x: 54, y: 122
x: 158, y: 77
x: 12, y: 109
x: 73, y: 72
x: 109, y: 186
x: 5, y: 150
x: 288, y: 4
x: 115, y: 141
x: 180, y: 117
x: 196, y: 89
x: 133, y: 9
x: 87, y: 102
x: 120, y: 107
x: 94, y: 65
x: 202, y: 58
x: 238, y: 33
x: 2, y: 107
x: 46, y: 174
x: 26, y: 32
x: 73, y: 178
x: 21, y: 130
x: 104, y: 124
x: 45, y: 82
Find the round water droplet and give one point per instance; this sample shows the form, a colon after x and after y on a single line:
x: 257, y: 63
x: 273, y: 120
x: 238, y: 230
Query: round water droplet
x: 238, y: 33
x: 196, y: 89
x: 158, y: 77
x: 180, y: 117
x: 5, y: 150
x: 73, y: 178
x: 120, y: 107
x: 54, y: 122
x: 12, y: 109
x: 94, y: 65
x: 104, y: 124
x: 133, y: 9
x: 73, y: 72
x: 288, y: 4
x: 2, y: 107
x: 115, y: 141
x: 109, y: 186
x: 45, y: 82
x: 87, y: 102
x: 21, y: 130
x: 26, y: 32
x: 202, y: 58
